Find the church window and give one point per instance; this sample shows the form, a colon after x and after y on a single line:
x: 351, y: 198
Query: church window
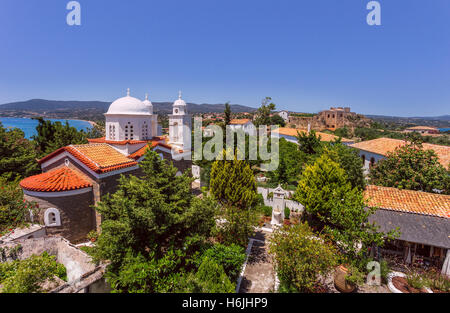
x: 52, y: 218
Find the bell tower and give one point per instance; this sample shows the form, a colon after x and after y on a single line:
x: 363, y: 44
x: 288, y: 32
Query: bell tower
x: 180, y: 125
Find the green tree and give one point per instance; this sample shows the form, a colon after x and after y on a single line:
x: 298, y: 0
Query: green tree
x: 277, y: 120
x: 291, y: 162
x: 264, y: 112
x: 309, y: 143
x: 18, y: 157
x: 14, y: 210
x: 233, y: 185
x: 337, y: 209
x: 152, y: 221
x: 52, y: 136
x: 227, y: 112
x: 27, y: 276
x: 411, y: 167
x: 300, y: 257
x: 210, y: 278
x: 349, y: 160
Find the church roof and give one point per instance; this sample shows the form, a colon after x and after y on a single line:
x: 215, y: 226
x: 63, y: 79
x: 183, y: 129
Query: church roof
x: 114, y: 142
x: 129, y: 106
x: 99, y: 157
x: 60, y: 179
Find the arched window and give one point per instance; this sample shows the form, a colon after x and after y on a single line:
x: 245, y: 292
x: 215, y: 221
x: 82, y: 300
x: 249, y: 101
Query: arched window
x: 52, y: 218
x: 363, y: 157
x: 372, y: 161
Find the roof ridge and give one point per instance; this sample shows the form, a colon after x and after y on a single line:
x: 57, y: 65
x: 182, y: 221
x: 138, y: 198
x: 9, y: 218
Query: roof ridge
x: 96, y: 164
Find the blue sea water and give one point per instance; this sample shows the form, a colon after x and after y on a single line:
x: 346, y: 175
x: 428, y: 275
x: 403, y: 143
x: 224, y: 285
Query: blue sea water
x: 444, y: 129
x: 28, y: 125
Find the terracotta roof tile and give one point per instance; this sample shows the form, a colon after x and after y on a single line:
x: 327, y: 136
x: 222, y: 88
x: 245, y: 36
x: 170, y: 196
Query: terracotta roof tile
x: 382, y: 146
x: 122, y: 142
x: 100, y: 157
x: 408, y: 201
x: 293, y: 133
x: 239, y: 121
x: 60, y: 179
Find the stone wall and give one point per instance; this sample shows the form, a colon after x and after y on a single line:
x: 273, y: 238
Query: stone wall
x: 77, y: 215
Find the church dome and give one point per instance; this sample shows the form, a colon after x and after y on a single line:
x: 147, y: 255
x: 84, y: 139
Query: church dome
x: 147, y: 102
x: 128, y: 105
x: 180, y: 101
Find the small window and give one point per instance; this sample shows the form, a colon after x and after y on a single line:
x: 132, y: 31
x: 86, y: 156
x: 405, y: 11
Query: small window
x: 363, y: 157
x: 52, y: 218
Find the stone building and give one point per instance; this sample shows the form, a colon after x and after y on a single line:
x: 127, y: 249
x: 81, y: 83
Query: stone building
x: 75, y: 177
x: 335, y: 117
x: 331, y: 119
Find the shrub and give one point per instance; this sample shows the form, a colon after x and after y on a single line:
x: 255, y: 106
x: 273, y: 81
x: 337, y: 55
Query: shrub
x: 287, y: 213
x: 26, y: 276
x: 210, y: 278
x: 384, y: 270
x: 301, y: 256
x: 231, y: 258
x: 415, y: 280
x: 267, y: 210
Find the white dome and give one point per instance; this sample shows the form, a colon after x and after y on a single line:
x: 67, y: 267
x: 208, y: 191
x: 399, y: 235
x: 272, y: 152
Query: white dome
x: 147, y: 102
x: 179, y: 101
x: 128, y: 105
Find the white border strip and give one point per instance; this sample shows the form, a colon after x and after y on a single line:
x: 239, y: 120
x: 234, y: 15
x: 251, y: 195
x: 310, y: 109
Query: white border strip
x: 54, y: 194
x: 247, y: 252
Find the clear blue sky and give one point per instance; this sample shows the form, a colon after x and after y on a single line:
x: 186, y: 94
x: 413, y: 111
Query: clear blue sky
x: 307, y: 55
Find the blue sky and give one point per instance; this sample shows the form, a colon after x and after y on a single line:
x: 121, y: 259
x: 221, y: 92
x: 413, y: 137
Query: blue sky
x: 307, y: 55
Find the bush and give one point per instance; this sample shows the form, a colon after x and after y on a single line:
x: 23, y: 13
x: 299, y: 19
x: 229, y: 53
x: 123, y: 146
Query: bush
x: 267, y: 210
x: 287, y: 213
x: 301, y: 256
x: 384, y: 271
x: 415, y: 280
x: 26, y: 276
x: 231, y: 258
x: 210, y: 278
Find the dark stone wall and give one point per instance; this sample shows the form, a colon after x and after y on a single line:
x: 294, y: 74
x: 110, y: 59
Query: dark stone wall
x: 77, y: 215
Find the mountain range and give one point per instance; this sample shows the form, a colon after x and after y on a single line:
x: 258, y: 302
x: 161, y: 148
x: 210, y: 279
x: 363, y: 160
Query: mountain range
x: 93, y: 110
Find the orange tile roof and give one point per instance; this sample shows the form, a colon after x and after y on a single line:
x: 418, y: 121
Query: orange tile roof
x: 383, y: 145
x: 60, y: 179
x: 239, y: 121
x: 140, y: 152
x: 408, y: 201
x: 122, y: 142
x: 293, y: 133
x: 99, y: 157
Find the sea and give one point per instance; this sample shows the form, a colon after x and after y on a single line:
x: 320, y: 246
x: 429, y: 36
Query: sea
x: 28, y: 125
x: 444, y: 129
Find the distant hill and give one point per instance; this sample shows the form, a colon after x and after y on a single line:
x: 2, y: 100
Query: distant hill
x: 93, y: 110
x: 435, y: 121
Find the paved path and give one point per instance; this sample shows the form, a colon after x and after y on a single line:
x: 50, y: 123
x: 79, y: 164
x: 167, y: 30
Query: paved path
x: 259, y: 275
